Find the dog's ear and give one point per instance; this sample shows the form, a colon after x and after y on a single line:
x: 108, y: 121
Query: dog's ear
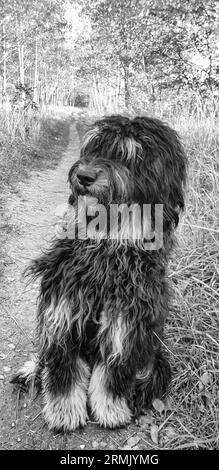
x: 70, y: 176
x: 71, y: 200
x: 162, y: 166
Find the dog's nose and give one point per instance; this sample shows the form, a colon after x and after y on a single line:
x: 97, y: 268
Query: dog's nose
x: 86, y: 178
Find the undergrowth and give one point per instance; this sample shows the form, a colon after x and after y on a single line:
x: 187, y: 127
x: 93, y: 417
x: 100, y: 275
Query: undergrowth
x: 30, y: 140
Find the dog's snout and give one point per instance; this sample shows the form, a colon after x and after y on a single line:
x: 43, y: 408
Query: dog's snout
x: 86, y: 177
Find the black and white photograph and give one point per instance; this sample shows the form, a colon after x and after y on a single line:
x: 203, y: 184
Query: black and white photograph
x: 109, y: 285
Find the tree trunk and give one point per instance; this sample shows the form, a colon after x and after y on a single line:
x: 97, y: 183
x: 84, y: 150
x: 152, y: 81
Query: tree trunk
x: 20, y: 48
x: 127, y: 91
x: 96, y: 94
x: 45, y: 86
x: 4, y: 84
x: 22, y: 64
x: 126, y: 83
x: 35, y: 86
x: 118, y: 86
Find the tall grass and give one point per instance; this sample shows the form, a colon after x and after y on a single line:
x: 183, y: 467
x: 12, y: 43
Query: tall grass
x: 192, y: 333
x: 29, y: 139
x: 17, y: 124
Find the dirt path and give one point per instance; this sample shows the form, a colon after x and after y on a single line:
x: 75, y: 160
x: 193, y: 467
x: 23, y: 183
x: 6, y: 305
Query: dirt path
x: 32, y: 214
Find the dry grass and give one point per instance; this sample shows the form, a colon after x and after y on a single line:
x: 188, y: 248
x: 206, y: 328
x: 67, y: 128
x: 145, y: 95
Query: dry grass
x: 30, y: 140
x: 192, y: 331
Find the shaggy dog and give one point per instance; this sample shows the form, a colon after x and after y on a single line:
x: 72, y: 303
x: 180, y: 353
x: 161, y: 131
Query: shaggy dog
x: 104, y: 293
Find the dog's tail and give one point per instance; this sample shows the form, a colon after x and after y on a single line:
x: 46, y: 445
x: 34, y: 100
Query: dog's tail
x: 28, y: 376
x: 161, y: 376
x: 155, y: 384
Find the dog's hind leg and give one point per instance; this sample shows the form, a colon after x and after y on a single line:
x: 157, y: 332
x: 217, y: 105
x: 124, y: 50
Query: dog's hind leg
x: 65, y: 381
x: 152, y: 383
x: 28, y: 377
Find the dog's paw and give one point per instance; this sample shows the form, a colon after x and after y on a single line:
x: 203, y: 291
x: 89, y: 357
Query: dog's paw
x: 109, y: 411
x: 65, y: 413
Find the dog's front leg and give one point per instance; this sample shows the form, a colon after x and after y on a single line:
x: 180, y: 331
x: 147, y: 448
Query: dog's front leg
x: 65, y: 381
x: 65, y: 375
x: 110, y: 408
x: 111, y: 383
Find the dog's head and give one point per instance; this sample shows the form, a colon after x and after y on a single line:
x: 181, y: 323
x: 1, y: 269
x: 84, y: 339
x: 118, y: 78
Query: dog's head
x: 138, y: 160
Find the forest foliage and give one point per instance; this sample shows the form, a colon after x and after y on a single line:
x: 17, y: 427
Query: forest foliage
x: 109, y: 54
